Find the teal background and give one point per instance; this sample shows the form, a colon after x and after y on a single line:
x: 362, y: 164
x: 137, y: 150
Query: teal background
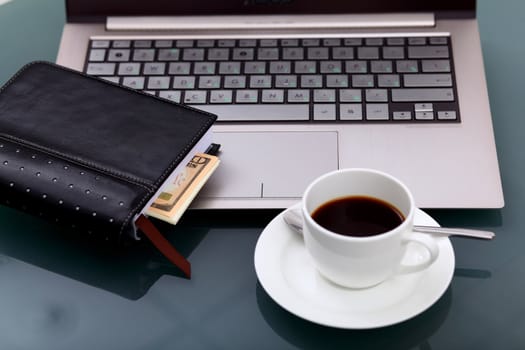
x: 57, y: 294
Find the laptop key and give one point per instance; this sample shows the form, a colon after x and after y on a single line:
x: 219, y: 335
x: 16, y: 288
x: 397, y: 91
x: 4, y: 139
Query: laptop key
x: 402, y: 115
x: 221, y: 96
x: 143, y: 55
x: 100, y: 69
x: 218, y: 54
x: 298, y: 95
x: 376, y: 95
x: 368, y: 53
x: 362, y: 80
x: 440, y: 40
x: 330, y: 67
x: 169, y: 54
x: 265, y: 112
x: 163, y: 43
x: 235, y: 81
x: 350, y: 95
x: 377, y: 111
x: 121, y: 44
x: 179, y: 68
x: 393, y: 52
x: 417, y: 41
x: 100, y: 44
x: 305, y: 67
x: 229, y: 67
x: 285, y: 81
x: 424, y: 115
x: 154, y: 68
x: 247, y: 96
x: 133, y: 82
x: 293, y: 53
x: 395, y: 41
x: 353, y: 41
x: 209, y: 82
x: 388, y: 80
x: 260, y: 81
x: 416, y: 95
x: 381, y: 66
x: 430, y: 80
x: 324, y: 112
x: 272, y: 96
x: 324, y: 95
x: 408, y: 66
x: 435, y: 66
x: 128, y: 68
x: 184, y: 82
x: 195, y: 96
x: 268, y: 42
x: 205, y: 43
x: 436, y: 51
x: 446, y: 115
x: 204, y: 68
x: 193, y: 54
x: 311, y: 81
x: 268, y: 53
x: 350, y: 111
x: 342, y: 53
x: 184, y: 43
x: 317, y: 53
x: 280, y: 67
x: 158, y: 83
x: 247, y: 43
x: 118, y: 55
x: 255, y: 67
x: 337, y: 80
x: 356, y: 67
x: 171, y: 95
x: 97, y: 55
x: 243, y: 54
x: 142, y: 43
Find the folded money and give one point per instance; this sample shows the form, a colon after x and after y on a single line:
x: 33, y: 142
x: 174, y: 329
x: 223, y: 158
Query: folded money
x: 176, y: 197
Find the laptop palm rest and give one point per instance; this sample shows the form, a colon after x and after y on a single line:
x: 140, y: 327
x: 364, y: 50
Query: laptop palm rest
x: 274, y: 164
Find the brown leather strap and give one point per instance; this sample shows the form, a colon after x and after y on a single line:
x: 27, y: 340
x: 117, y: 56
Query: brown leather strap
x: 162, y: 244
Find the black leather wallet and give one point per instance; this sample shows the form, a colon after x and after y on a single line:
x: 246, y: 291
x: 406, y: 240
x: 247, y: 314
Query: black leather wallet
x: 88, y: 153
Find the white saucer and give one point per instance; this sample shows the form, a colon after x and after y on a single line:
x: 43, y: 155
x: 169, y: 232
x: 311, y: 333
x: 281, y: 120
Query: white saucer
x: 287, y: 274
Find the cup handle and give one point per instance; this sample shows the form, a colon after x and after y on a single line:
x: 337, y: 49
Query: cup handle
x: 426, y: 241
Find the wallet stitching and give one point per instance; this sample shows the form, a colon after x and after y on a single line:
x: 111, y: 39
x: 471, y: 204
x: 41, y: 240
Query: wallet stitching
x: 132, y: 212
x: 140, y: 182
x: 76, y: 161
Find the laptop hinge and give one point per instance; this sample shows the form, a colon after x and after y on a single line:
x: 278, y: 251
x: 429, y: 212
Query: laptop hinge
x: 207, y: 23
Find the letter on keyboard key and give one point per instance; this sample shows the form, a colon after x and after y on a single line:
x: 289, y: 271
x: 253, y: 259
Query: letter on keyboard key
x: 295, y: 112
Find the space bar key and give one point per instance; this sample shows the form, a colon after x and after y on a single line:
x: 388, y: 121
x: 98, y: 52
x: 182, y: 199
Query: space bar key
x: 281, y: 112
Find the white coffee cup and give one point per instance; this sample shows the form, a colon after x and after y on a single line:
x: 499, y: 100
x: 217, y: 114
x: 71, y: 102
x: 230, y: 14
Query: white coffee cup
x: 360, y: 262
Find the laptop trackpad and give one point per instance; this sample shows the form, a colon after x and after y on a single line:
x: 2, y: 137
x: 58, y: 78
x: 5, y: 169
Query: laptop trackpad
x: 270, y: 164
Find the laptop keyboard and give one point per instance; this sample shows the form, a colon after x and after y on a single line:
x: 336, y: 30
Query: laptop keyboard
x: 399, y: 79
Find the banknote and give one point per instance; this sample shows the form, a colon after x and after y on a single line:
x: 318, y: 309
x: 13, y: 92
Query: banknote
x: 177, y: 196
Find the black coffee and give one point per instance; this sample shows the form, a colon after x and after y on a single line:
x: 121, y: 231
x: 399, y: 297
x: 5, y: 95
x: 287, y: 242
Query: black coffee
x: 358, y: 216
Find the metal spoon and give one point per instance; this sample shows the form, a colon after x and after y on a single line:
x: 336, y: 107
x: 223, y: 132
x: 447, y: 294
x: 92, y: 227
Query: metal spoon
x: 294, y: 219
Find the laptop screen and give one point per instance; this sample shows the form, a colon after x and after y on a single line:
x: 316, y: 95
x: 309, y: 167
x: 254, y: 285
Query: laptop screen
x: 83, y: 10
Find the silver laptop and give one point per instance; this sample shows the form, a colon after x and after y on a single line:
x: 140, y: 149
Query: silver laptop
x: 302, y: 88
